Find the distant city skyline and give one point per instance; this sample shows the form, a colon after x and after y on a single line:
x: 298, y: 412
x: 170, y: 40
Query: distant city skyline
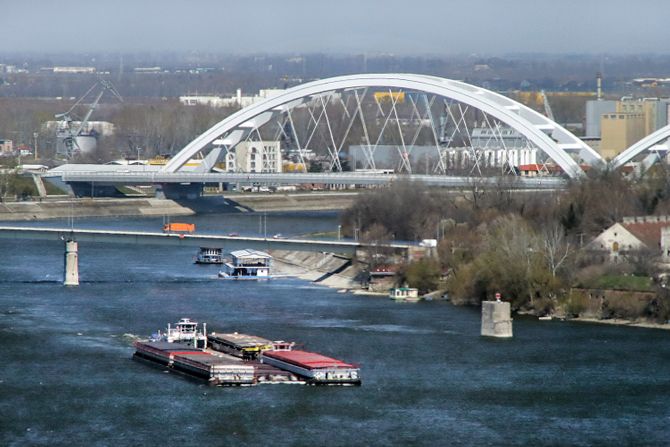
x: 347, y: 26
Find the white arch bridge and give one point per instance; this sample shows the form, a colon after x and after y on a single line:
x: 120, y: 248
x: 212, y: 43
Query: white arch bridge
x: 414, y: 124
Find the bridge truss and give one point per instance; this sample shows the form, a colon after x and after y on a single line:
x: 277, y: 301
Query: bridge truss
x: 407, y: 123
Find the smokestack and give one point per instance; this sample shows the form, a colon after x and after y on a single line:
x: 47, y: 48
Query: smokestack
x: 599, y: 86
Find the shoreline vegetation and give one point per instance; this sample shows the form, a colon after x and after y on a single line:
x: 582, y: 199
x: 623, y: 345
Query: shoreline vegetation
x: 528, y: 246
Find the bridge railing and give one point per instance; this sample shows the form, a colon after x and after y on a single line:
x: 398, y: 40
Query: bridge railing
x: 152, y: 177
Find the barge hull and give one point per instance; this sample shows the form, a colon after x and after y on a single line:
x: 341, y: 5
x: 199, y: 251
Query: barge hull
x: 328, y: 372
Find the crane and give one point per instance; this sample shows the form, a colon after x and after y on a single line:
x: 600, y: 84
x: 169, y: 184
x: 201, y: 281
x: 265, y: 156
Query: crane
x: 547, y: 107
x: 67, y: 134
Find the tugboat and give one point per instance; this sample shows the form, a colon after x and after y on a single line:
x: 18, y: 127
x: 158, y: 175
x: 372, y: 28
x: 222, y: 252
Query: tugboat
x: 208, y: 255
x: 185, y: 332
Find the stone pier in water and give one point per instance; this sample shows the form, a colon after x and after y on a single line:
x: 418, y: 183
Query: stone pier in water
x: 496, y: 319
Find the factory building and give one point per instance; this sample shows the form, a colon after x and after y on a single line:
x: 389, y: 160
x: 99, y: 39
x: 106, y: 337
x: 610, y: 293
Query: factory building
x: 594, y: 111
x: 620, y: 131
x: 620, y: 124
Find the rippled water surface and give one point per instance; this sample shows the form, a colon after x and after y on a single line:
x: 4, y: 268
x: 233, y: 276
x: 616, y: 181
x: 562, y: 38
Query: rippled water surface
x: 67, y: 378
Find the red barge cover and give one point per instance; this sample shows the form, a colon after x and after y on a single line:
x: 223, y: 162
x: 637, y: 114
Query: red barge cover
x: 309, y: 360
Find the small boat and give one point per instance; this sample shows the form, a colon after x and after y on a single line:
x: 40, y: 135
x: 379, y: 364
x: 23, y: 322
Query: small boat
x: 545, y: 318
x: 208, y: 255
x: 404, y: 294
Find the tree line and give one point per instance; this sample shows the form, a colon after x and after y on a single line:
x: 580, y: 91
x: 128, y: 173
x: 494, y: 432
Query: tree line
x: 526, y: 245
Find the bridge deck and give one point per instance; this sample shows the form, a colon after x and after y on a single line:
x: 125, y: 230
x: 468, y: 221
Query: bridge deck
x: 229, y: 243
x: 136, y: 175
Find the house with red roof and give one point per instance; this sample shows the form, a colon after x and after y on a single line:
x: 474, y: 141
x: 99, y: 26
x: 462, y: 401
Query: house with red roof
x: 633, y: 234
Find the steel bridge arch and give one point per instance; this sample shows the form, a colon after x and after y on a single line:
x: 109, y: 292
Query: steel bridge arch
x: 644, y: 144
x: 548, y: 136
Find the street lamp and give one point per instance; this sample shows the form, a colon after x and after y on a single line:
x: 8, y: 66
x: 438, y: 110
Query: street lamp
x: 35, y: 134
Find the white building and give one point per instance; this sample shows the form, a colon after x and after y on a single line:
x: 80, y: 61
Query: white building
x: 6, y: 147
x: 633, y: 234
x: 233, y: 101
x: 73, y: 69
x: 255, y: 157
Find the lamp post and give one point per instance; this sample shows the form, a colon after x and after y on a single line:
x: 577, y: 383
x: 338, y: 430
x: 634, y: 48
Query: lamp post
x: 35, y: 134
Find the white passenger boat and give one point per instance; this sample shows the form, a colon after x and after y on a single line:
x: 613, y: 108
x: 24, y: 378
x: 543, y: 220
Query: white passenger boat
x: 247, y: 264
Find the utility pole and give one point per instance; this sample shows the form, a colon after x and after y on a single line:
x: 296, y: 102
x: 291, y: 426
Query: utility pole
x: 35, y: 134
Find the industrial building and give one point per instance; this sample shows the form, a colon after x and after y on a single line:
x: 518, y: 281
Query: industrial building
x: 620, y: 124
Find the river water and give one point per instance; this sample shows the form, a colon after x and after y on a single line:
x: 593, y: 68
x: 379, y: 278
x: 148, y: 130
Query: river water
x: 67, y: 378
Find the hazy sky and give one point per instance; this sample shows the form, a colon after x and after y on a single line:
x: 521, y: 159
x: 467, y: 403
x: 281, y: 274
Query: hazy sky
x: 337, y: 26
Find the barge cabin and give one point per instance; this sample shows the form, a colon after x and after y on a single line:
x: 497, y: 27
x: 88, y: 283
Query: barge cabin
x: 185, y: 331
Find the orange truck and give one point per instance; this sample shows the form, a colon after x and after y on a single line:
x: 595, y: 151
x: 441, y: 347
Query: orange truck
x: 179, y: 228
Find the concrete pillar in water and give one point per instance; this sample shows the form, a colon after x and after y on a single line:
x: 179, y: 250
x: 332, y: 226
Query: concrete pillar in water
x: 71, y: 264
x: 496, y: 319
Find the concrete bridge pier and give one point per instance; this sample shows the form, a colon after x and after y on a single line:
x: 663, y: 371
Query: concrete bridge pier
x: 71, y: 277
x: 496, y: 319
x: 179, y: 191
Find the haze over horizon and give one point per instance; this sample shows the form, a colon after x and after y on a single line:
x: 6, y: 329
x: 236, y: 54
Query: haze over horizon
x: 427, y: 27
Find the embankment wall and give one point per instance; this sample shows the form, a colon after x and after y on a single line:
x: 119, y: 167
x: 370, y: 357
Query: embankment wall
x: 55, y: 209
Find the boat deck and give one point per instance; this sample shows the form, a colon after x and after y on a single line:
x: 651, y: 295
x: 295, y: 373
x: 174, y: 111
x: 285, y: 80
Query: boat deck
x: 215, y: 367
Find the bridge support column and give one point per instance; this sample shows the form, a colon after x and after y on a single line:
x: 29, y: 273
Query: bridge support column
x: 71, y: 263
x: 496, y: 319
x: 178, y: 191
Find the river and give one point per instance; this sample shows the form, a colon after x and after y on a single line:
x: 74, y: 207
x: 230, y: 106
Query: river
x: 67, y: 378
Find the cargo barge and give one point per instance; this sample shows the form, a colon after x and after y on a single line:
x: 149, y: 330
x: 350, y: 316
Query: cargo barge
x: 240, y: 359
x: 247, y: 347
x: 216, y: 370
x: 317, y: 369
x: 214, y: 367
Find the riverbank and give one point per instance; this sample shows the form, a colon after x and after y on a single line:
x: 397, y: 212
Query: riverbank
x: 64, y: 207
x: 622, y: 322
x: 328, y: 269
x: 99, y: 207
x: 310, y: 201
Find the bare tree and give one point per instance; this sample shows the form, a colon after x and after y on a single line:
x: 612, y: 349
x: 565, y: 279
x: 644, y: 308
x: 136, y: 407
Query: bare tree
x: 557, y: 249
